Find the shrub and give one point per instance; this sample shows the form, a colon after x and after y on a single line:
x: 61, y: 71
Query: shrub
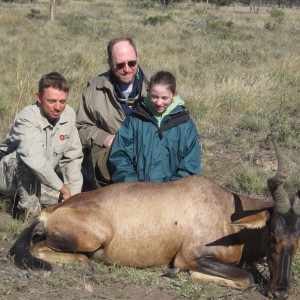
x: 157, y: 20
x: 223, y: 29
x: 34, y: 14
x: 271, y: 26
x: 223, y: 2
x: 276, y: 13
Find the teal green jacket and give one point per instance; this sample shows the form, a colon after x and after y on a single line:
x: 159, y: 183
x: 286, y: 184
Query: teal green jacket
x: 143, y: 150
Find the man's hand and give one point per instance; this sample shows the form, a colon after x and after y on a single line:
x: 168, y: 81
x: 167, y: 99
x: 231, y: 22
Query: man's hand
x: 109, y: 140
x: 64, y: 193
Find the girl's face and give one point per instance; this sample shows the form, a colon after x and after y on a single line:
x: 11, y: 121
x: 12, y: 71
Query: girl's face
x: 160, y: 97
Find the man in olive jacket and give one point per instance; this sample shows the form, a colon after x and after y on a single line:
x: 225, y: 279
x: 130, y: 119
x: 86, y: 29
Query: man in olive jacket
x: 105, y: 103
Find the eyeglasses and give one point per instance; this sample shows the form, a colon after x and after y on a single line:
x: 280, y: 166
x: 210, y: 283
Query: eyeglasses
x: 131, y: 64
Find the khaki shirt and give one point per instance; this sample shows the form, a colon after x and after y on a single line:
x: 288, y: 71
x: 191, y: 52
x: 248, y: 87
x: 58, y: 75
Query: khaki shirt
x: 43, y: 146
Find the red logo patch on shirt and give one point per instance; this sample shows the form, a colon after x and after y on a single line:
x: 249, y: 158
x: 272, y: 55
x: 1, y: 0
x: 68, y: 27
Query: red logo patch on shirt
x: 62, y: 137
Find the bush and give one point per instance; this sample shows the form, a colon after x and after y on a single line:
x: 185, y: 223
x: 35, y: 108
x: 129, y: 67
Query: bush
x: 223, y: 2
x: 271, y: 26
x: 276, y: 13
x: 222, y: 29
x: 34, y: 14
x: 157, y: 20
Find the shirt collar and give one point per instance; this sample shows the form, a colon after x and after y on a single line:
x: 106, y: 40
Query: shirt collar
x: 45, y: 123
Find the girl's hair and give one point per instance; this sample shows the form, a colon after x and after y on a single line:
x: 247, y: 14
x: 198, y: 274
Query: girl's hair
x: 164, y: 78
x: 54, y: 80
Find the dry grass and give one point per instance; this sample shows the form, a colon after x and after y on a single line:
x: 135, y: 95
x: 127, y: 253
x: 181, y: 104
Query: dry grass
x: 238, y: 72
x: 228, y: 65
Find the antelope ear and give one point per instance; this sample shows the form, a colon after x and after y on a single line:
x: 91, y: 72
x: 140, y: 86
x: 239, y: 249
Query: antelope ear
x: 254, y: 221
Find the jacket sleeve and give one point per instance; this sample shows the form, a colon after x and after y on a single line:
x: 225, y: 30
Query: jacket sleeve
x: 86, y: 120
x: 31, y: 150
x: 121, y: 159
x: 70, y: 163
x: 190, y: 162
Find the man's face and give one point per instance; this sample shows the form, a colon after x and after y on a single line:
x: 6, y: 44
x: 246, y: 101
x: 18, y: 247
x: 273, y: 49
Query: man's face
x: 124, y: 64
x: 53, y: 103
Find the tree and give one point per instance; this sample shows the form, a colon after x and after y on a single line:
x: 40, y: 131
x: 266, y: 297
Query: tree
x: 52, y: 9
x: 164, y: 3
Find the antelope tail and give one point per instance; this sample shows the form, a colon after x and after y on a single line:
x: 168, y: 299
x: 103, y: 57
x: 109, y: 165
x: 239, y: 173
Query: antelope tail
x: 21, y: 254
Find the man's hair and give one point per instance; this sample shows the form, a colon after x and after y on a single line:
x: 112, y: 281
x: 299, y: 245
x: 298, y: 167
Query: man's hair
x: 112, y: 42
x: 54, y: 80
x: 164, y: 78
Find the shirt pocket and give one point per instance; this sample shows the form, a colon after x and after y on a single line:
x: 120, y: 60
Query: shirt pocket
x: 58, y: 151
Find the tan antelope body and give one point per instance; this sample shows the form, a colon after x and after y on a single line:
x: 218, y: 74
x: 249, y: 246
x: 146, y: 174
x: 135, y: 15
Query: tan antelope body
x: 192, y: 224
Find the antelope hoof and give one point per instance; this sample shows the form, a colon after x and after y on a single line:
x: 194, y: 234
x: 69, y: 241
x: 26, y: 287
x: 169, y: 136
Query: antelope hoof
x: 89, y: 271
x: 171, y: 273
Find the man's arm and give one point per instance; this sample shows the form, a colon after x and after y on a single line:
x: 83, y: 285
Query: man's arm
x: 30, y: 138
x: 99, y: 115
x: 64, y: 193
x: 88, y: 126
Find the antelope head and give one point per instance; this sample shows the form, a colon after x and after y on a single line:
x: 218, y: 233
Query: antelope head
x: 284, y: 232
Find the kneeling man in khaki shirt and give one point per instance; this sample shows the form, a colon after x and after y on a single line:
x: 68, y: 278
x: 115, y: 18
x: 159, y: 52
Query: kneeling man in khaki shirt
x: 42, y: 147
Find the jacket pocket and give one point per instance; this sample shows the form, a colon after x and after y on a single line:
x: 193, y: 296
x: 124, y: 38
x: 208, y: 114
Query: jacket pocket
x: 59, y: 150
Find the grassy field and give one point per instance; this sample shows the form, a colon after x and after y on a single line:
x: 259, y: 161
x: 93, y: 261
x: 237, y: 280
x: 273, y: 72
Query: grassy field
x: 238, y: 72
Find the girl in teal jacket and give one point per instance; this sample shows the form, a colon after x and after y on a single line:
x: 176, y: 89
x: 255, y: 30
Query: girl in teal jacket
x: 158, y: 142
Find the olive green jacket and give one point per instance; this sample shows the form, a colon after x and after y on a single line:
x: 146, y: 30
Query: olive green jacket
x: 99, y: 113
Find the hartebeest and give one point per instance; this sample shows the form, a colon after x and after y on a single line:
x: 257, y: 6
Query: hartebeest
x: 192, y: 224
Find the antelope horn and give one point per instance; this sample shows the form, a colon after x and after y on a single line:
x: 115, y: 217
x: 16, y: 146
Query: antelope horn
x: 281, y: 200
x: 297, y: 203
